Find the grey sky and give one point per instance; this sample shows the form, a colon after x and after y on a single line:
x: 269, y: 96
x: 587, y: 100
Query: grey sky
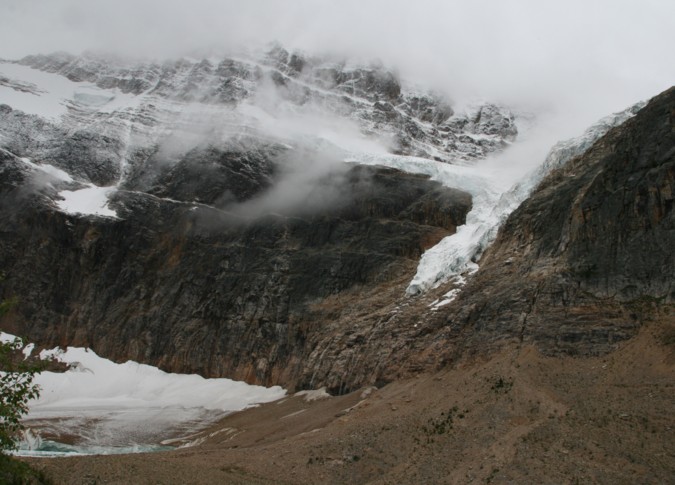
x: 579, y: 58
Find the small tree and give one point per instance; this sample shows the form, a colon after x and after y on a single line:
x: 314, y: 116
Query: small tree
x: 16, y: 386
x: 16, y: 389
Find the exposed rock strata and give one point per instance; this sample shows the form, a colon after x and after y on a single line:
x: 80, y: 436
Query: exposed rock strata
x: 195, y: 289
x: 579, y: 267
x: 186, y: 280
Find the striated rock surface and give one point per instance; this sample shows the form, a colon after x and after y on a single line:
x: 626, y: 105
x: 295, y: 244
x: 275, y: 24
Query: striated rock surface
x: 193, y: 288
x: 235, y: 246
x: 579, y: 267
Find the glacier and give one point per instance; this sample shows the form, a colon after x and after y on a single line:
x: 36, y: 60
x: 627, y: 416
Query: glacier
x: 105, y: 407
x: 120, y: 407
x: 457, y: 255
x: 149, y: 107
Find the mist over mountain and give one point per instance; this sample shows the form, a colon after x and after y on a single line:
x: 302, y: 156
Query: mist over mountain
x: 576, y: 60
x: 435, y: 226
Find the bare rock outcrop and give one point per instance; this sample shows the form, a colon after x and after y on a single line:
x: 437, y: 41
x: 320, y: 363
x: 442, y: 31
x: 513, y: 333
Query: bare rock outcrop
x: 195, y: 288
x: 578, y: 268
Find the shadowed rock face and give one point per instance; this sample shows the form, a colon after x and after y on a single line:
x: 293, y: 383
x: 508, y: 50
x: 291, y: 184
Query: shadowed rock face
x: 586, y: 260
x: 578, y: 260
x: 579, y: 267
x: 192, y: 288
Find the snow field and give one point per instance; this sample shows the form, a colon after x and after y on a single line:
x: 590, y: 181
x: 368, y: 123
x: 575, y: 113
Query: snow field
x: 128, y: 406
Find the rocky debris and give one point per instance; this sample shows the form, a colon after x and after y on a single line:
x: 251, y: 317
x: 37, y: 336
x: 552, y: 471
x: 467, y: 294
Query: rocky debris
x: 517, y: 417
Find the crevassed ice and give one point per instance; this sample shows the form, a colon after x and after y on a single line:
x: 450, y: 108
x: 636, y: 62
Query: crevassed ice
x: 459, y: 253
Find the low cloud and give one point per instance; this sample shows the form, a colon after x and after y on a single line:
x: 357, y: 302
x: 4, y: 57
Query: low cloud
x: 308, y: 182
x: 579, y: 58
x: 568, y: 63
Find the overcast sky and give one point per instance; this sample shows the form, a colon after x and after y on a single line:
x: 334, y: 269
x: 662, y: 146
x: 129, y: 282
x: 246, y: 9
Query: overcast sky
x: 585, y: 58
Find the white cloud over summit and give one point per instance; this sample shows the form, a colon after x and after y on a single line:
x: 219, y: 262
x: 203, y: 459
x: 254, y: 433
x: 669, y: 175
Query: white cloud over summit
x: 584, y: 57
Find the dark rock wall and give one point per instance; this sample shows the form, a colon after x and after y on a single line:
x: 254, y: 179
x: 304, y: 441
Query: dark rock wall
x: 578, y: 268
x: 583, y: 262
x: 190, y: 289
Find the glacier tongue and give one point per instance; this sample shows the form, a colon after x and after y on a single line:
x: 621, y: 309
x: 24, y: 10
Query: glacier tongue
x: 458, y: 254
x: 119, y: 113
x: 455, y: 254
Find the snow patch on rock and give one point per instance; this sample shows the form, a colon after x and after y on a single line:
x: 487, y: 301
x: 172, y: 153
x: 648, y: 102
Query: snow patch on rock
x: 90, y: 201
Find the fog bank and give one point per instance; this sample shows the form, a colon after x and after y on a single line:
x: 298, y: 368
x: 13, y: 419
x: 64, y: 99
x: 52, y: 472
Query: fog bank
x: 577, y: 59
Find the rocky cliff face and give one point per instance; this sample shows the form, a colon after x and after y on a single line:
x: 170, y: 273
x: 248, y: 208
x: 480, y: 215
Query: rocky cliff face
x: 586, y: 260
x: 231, y: 248
x: 579, y: 267
x: 226, y: 220
x: 193, y: 288
x: 580, y: 258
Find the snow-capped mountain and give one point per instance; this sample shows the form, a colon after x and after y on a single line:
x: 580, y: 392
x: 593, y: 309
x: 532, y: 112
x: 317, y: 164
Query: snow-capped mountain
x: 66, y: 107
x: 199, y: 215
x: 94, y: 125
